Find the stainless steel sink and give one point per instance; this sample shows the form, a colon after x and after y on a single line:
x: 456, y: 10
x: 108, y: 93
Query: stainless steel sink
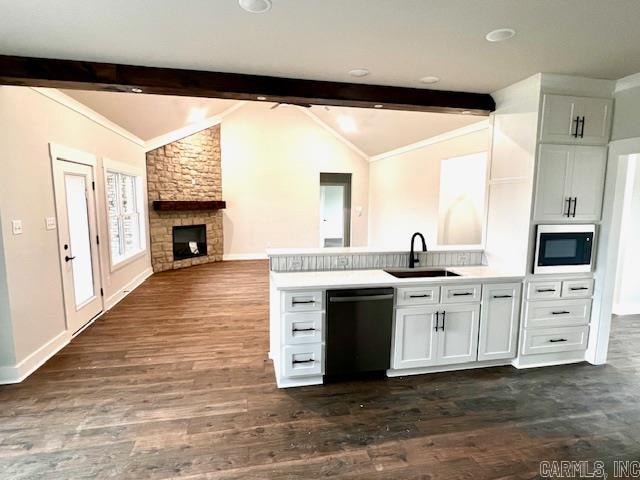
x: 432, y: 272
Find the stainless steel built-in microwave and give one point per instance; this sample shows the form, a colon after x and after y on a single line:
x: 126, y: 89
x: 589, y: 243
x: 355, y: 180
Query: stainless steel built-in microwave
x: 564, y: 248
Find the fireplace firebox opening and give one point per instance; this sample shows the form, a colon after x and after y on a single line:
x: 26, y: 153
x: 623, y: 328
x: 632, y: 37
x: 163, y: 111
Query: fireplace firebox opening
x: 189, y: 241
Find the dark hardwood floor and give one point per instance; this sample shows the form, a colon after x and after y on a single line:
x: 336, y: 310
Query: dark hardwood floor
x: 174, y: 382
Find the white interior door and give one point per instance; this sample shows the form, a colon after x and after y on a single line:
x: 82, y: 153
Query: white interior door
x: 332, y: 215
x: 77, y: 233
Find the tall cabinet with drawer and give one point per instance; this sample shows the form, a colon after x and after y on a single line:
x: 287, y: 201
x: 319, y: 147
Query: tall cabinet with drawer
x: 297, y: 344
x: 555, y: 329
x: 440, y: 325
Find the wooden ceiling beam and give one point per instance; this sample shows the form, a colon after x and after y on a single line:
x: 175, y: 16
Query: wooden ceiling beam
x: 74, y: 74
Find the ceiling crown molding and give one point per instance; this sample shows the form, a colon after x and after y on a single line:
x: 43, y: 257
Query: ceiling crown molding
x: 78, y: 107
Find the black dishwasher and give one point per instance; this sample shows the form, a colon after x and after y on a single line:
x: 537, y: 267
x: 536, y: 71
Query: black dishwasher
x: 359, y: 323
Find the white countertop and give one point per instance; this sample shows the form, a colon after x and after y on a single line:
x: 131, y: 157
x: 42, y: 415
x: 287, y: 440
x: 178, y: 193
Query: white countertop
x: 379, y: 278
x: 272, y: 252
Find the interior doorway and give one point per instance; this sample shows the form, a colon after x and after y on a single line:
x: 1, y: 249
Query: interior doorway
x: 74, y: 187
x: 335, y: 209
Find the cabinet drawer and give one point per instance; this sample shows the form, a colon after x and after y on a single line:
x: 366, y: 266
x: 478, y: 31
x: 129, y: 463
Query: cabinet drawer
x: 552, y: 340
x: 303, y: 328
x: 302, y: 360
x: 544, y: 290
x: 561, y: 313
x: 582, y: 288
x: 417, y: 295
x: 303, y: 301
x: 461, y: 293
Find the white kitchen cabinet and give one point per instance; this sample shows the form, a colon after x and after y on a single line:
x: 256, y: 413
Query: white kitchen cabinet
x: 499, y: 321
x: 570, y: 183
x: 575, y: 120
x: 458, y: 334
x: 435, y: 335
x: 415, y: 337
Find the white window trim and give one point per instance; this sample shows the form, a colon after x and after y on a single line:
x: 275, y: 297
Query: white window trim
x: 126, y: 169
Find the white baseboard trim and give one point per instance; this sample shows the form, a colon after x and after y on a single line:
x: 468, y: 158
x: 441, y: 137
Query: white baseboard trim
x: 447, y: 368
x: 17, y: 373
x: 626, y: 309
x: 548, y: 359
x: 244, y: 256
x: 114, y: 299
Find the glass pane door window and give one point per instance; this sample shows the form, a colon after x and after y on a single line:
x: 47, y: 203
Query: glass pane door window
x: 126, y: 221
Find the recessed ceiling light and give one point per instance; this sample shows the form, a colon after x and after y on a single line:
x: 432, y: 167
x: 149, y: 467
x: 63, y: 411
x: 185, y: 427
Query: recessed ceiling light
x: 378, y: 105
x: 347, y: 124
x: 359, y: 72
x: 197, y: 115
x: 136, y: 90
x: 261, y: 98
x: 429, y: 80
x: 255, y: 6
x: 500, y: 35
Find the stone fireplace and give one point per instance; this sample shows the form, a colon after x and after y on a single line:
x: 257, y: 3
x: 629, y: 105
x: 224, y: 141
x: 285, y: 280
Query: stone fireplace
x: 185, y: 191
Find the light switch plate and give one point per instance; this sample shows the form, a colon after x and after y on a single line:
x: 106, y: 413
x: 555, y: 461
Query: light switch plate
x: 50, y: 223
x: 16, y: 226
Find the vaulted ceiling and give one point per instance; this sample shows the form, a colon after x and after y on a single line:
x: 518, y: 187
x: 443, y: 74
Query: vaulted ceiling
x: 398, y: 41
x: 372, y: 131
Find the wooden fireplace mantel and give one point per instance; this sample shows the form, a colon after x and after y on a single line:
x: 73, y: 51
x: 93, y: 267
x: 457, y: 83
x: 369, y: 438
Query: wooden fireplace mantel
x: 186, y: 205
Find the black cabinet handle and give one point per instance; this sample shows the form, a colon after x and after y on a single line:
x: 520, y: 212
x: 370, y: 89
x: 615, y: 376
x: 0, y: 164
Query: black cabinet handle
x: 568, y: 212
x: 556, y: 340
x: 543, y: 290
x: 311, y: 360
x: 304, y: 330
x: 503, y: 296
x: 67, y: 258
x: 577, y: 122
x: 462, y: 294
x: 582, y: 129
x: 444, y: 317
x: 575, y: 205
x: 298, y: 302
x: 419, y: 296
x: 437, y: 321
x: 562, y: 312
x: 579, y: 288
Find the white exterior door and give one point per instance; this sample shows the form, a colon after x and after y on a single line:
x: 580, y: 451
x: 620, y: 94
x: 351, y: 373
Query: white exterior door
x: 458, y: 335
x: 554, y: 168
x: 414, y: 337
x: 587, y: 183
x: 499, y: 321
x: 77, y: 235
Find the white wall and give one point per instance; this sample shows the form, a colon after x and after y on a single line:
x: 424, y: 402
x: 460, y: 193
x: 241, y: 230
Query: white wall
x: 7, y: 351
x: 511, y: 171
x: 626, y: 129
x: 404, y: 190
x: 271, y: 165
x: 627, y: 294
x: 30, y: 121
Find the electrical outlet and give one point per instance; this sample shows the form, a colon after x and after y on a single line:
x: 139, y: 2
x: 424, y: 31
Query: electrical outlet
x: 50, y: 223
x: 16, y: 227
x: 343, y: 261
x: 296, y: 263
x: 463, y: 258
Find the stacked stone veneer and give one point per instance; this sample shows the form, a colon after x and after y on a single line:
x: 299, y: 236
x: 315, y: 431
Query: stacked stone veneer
x: 188, y: 169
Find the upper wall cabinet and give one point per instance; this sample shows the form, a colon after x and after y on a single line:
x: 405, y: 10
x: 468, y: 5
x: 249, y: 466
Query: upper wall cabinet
x: 570, y: 183
x: 576, y: 120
